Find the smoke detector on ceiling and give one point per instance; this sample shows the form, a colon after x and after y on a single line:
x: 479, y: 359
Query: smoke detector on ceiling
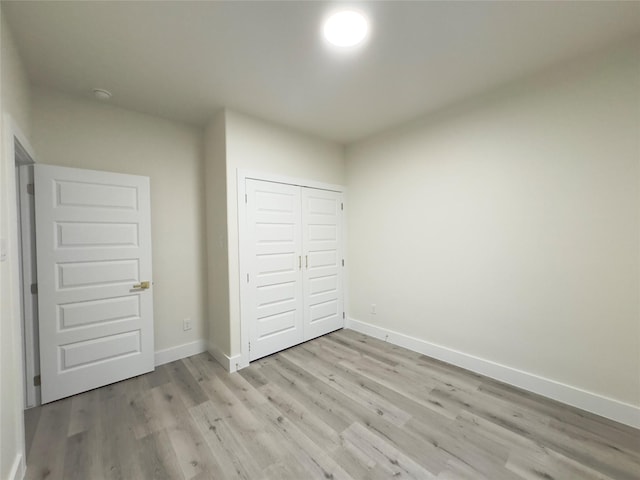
x: 101, y: 94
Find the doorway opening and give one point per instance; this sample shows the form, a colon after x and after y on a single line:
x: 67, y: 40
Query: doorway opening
x: 18, y: 153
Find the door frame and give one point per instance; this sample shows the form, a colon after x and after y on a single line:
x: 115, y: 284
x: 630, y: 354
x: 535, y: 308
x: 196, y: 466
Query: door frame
x: 29, y: 316
x: 241, y: 176
x: 16, y: 149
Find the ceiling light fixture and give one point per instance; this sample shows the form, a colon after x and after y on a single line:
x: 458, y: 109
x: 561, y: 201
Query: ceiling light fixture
x: 101, y: 94
x: 346, y: 28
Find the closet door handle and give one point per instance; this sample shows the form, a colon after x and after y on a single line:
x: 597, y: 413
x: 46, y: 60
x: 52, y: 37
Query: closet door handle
x: 299, y: 262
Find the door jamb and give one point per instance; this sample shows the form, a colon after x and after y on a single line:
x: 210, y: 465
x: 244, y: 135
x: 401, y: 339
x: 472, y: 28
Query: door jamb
x: 241, y: 176
x: 27, y: 238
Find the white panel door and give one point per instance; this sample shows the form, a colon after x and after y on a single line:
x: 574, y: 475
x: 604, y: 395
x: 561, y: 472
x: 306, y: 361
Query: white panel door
x: 274, y: 252
x: 322, y: 241
x: 93, y: 239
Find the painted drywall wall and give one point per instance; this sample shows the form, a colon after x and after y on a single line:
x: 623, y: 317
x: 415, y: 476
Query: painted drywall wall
x: 14, y: 101
x: 216, y: 215
x: 507, y: 228
x: 87, y: 134
x: 15, y: 82
x: 264, y: 147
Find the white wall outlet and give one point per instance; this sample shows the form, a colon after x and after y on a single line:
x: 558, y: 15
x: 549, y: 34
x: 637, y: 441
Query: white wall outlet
x: 373, y: 309
x: 186, y: 324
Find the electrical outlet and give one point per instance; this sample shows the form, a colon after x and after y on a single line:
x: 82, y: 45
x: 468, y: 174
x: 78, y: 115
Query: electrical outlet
x: 186, y: 324
x: 373, y: 309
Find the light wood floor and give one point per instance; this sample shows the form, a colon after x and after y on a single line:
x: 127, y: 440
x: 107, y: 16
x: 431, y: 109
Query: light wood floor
x: 341, y: 406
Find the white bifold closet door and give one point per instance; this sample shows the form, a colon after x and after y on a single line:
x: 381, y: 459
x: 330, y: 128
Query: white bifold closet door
x: 275, y: 277
x: 322, y: 272
x: 294, y: 264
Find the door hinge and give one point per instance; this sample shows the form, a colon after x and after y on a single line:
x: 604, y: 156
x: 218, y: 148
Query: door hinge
x: 342, y: 206
x: 343, y: 262
x: 247, y: 278
x: 249, y: 346
x: 245, y: 198
x: 343, y: 316
x: 30, y: 189
x: 36, y: 381
x: 34, y: 289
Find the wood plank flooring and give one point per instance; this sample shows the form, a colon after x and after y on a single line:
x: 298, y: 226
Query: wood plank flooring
x: 343, y: 406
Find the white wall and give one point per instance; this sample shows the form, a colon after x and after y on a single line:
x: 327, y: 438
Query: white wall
x: 216, y: 214
x: 87, y: 134
x: 508, y: 228
x: 15, y: 101
x: 260, y: 146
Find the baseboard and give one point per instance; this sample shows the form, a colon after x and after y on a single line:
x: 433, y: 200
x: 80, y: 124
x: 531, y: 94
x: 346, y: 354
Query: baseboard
x: 179, y: 351
x: 18, y: 469
x: 576, y: 397
x: 230, y: 364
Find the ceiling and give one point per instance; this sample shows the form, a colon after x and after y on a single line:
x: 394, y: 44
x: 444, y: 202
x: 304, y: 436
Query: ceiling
x: 185, y: 60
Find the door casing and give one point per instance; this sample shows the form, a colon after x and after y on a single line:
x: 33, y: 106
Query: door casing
x: 16, y: 150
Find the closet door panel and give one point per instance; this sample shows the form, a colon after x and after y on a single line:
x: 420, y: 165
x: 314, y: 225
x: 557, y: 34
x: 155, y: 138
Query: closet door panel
x: 274, y: 249
x: 322, y: 245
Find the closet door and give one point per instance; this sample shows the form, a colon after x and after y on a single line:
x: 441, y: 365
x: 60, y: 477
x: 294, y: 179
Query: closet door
x: 274, y: 244
x: 322, y: 245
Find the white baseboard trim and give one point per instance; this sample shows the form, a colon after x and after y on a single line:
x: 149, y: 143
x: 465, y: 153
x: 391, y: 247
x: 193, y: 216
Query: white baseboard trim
x: 179, y: 351
x: 18, y: 469
x: 230, y: 364
x: 576, y: 397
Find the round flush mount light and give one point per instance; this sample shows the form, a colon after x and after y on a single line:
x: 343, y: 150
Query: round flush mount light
x: 101, y: 94
x: 347, y: 28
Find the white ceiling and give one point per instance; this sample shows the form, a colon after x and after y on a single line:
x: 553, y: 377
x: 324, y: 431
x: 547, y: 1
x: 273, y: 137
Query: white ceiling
x: 185, y: 60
